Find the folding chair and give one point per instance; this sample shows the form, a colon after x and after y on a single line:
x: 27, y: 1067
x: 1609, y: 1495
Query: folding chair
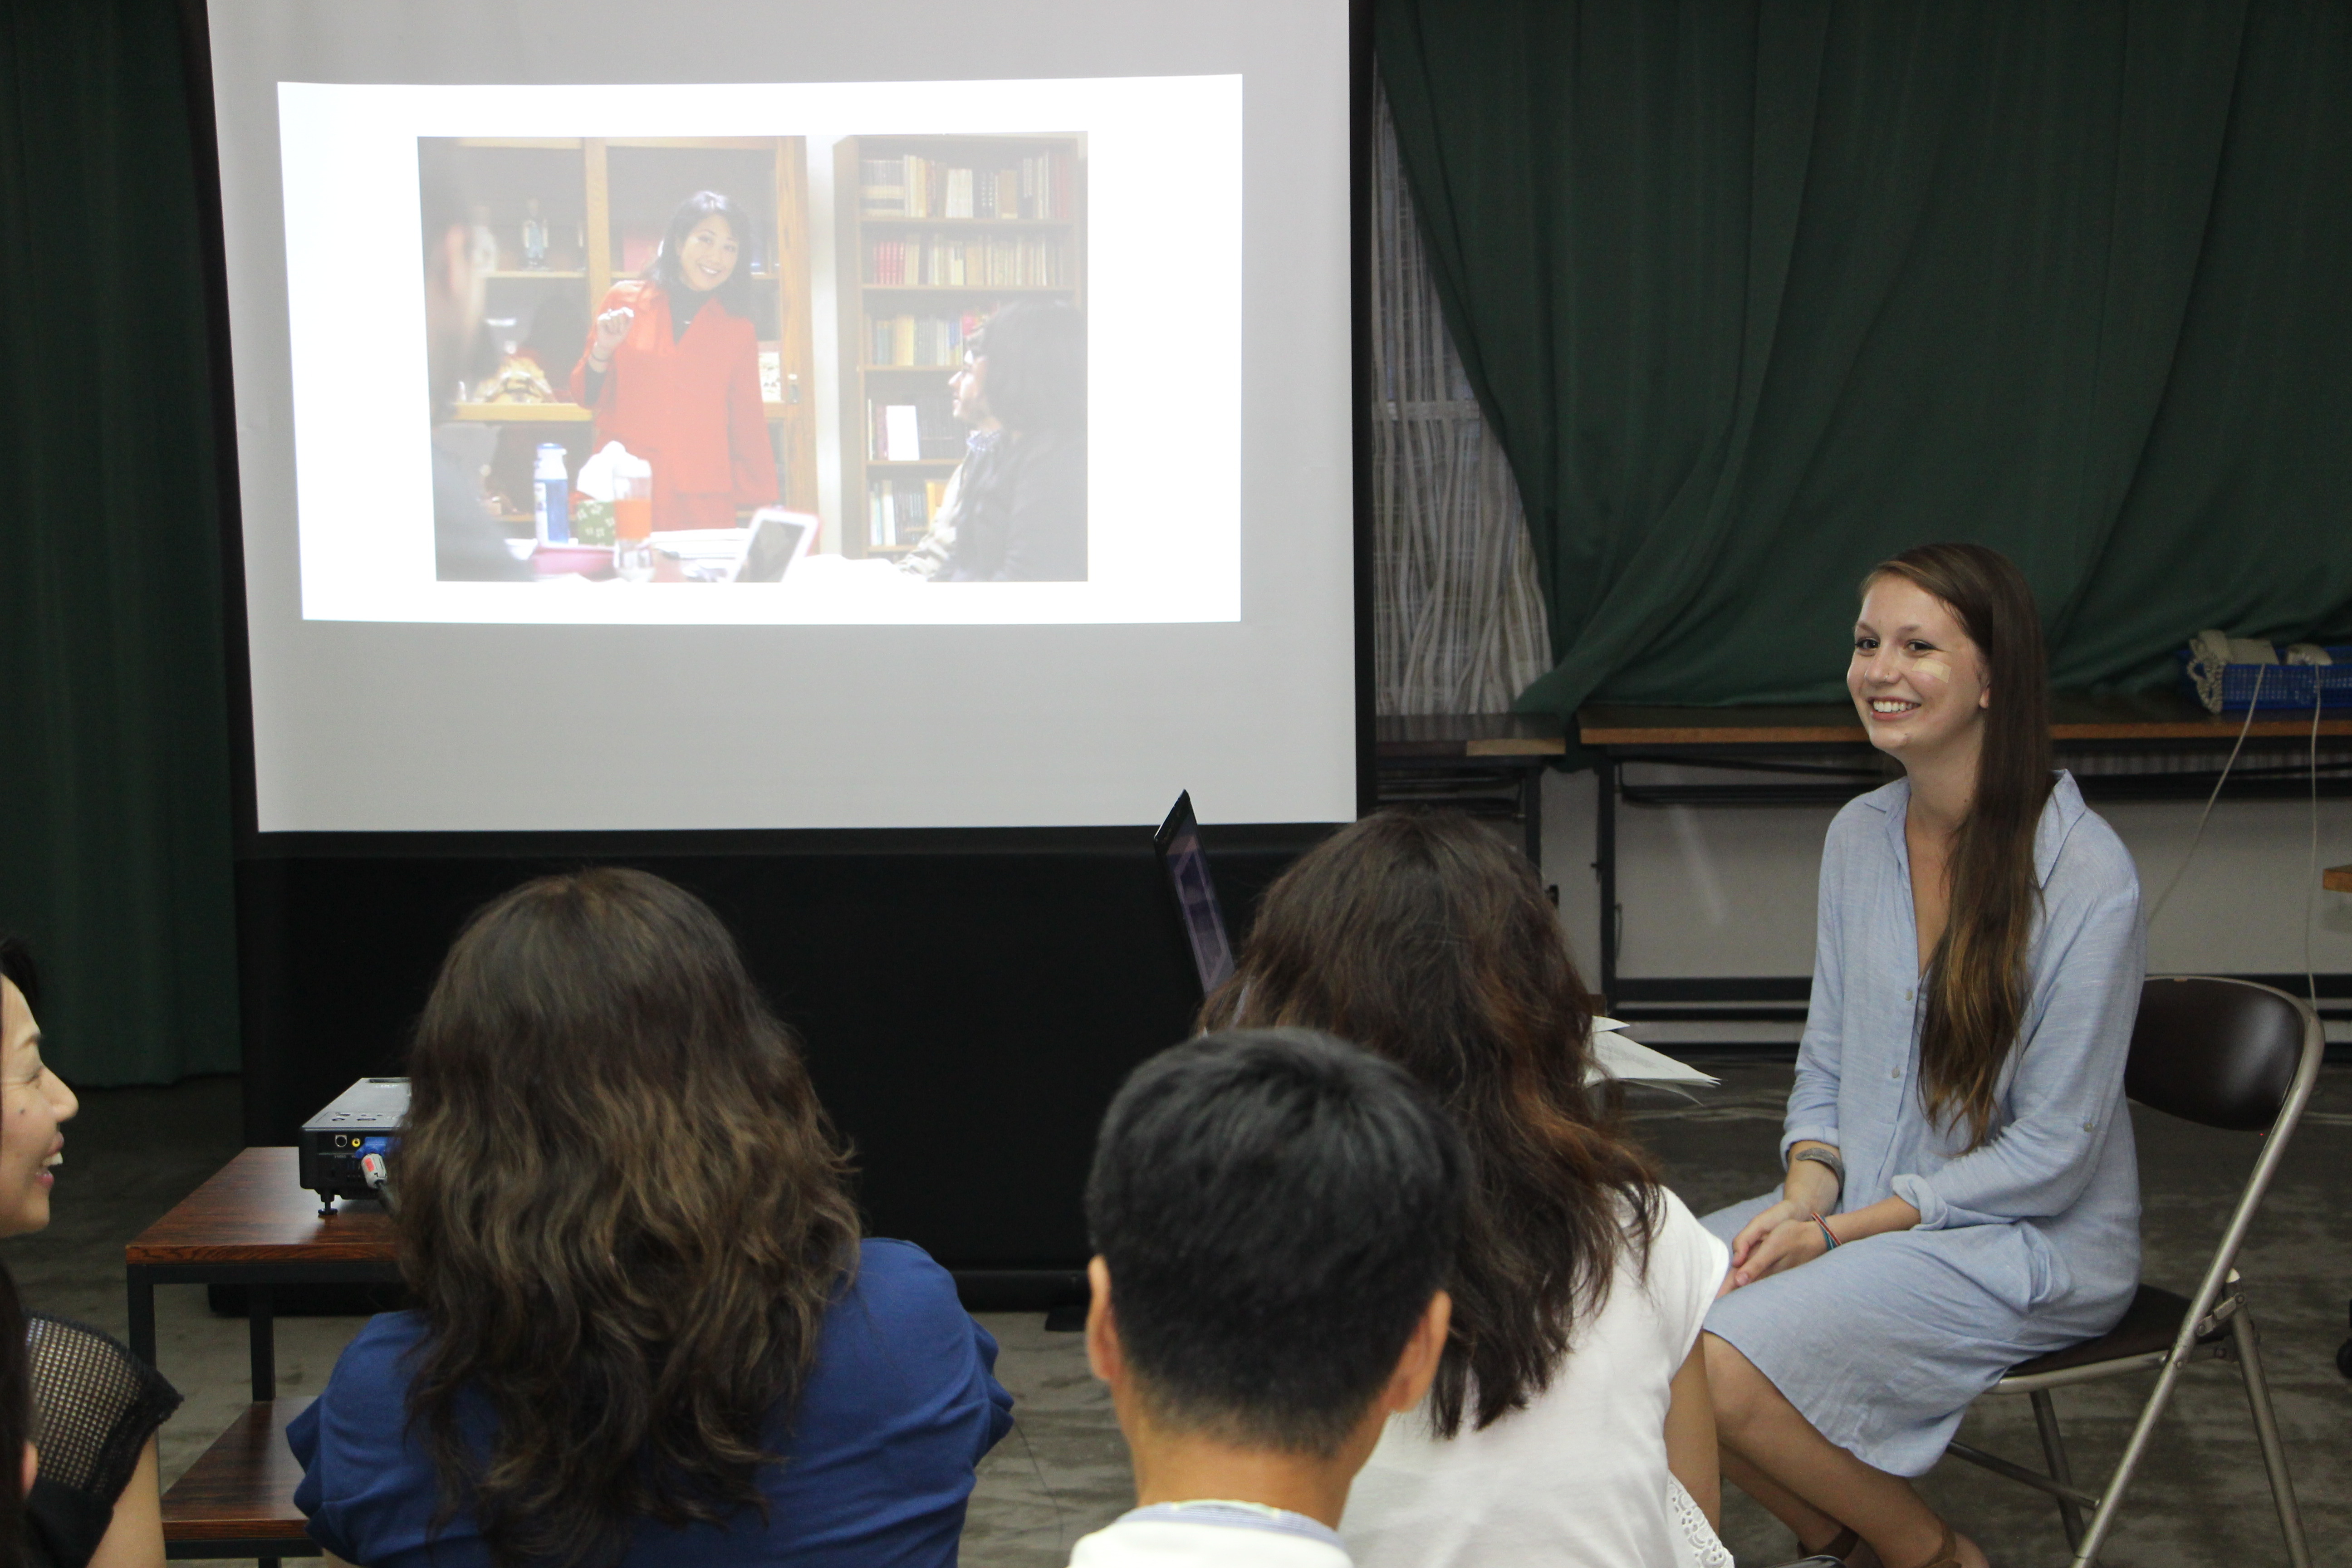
x: 2220, y: 1053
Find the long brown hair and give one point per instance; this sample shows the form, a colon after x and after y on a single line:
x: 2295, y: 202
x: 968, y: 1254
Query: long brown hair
x: 621, y: 1210
x: 1976, y: 979
x: 1421, y: 937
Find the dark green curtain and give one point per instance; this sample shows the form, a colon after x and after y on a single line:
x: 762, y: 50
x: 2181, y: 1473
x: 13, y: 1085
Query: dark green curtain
x: 115, y: 839
x: 1757, y: 294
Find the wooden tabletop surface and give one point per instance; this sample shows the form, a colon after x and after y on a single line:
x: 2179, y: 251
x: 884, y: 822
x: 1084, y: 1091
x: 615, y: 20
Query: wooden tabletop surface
x: 1401, y: 736
x: 2337, y: 879
x: 2074, y: 716
x: 253, y: 1211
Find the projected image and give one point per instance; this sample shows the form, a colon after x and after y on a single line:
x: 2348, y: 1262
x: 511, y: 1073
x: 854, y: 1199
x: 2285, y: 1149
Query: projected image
x: 837, y: 353
x: 620, y: 365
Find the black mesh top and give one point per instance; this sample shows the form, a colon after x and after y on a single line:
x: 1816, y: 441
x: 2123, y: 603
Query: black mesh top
x: 94, y: 1405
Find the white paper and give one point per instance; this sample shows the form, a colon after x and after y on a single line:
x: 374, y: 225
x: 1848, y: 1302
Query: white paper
x: 1614, y: 1055
x: 901, y: 437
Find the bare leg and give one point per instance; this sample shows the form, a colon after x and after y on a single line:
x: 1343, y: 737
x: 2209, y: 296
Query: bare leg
x: 1755, y: 1424
x: 1814, y: 1529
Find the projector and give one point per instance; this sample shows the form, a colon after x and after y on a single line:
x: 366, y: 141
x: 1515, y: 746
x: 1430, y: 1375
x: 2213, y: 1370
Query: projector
x: 344, y: 1147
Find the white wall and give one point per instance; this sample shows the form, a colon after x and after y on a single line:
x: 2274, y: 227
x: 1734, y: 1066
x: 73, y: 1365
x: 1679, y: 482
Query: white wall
x: 1728, y: 891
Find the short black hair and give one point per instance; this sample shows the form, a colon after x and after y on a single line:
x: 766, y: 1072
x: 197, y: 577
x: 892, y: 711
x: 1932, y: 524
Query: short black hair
x: 17, y: 965
x: 1036, y: 354
x: 1276, y: 1208
x: 738, y: 293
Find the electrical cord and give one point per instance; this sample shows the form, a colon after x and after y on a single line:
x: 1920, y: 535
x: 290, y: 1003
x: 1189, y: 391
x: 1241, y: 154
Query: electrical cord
x: 2198, y: 837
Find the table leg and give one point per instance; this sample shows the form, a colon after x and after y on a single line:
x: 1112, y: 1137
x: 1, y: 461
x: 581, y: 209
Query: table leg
x: 1604, y: 862
x: 142, y: 1317
x: 1531, y: 816
x: 261, y: 1332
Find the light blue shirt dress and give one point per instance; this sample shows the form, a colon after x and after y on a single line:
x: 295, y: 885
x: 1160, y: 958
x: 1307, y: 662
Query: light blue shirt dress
x: 2027, y: 1244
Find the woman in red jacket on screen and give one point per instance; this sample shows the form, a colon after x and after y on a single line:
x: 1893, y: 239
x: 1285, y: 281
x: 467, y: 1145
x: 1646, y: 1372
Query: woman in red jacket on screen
x: 672, y: 370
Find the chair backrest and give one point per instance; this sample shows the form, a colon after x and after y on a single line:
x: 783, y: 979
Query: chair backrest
x: 2220, y: 1053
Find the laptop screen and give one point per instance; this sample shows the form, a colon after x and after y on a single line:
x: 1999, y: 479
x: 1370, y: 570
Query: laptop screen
x: 1179, y: 843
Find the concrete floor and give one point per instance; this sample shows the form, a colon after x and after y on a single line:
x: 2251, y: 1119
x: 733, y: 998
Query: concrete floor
x: 2200, y: 1499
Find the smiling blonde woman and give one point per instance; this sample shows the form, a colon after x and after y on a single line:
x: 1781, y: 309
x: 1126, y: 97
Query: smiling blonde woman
x: 1961, y: 1191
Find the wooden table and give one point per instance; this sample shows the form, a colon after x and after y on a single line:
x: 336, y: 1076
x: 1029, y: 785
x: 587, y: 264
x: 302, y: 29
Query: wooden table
x: 253, y: 1225
x: 2143, y: 746
x: 1457, y: 748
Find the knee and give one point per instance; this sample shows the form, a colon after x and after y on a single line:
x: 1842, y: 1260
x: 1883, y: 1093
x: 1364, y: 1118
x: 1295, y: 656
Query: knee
x: 1731, y: 1386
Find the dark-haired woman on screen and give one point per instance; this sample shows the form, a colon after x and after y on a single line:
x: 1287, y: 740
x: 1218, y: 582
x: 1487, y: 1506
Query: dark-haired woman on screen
x: 646, y: 1330
x: 1961, y: 1193
x: 1021, y: 514
x: 672, y: 369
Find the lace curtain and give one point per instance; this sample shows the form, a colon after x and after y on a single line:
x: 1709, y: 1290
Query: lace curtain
x: 1458, y: 624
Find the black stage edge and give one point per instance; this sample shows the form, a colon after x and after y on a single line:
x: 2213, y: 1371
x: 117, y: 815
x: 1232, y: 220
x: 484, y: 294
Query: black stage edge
x: 969, y: 1002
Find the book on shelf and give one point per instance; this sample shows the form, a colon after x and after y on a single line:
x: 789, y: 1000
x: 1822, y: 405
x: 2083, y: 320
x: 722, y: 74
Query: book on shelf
x: 922, y: 340
x: 963, y: 261
x: 899, y: 512
x: 914, y: 430
x: 1037, y: 186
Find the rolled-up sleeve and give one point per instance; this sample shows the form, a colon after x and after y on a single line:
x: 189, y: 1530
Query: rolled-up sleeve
x: 2068, y: 1087
x: 1813, y: 1114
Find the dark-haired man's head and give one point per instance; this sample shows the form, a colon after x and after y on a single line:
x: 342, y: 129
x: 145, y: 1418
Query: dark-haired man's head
x: 1274, y: 1213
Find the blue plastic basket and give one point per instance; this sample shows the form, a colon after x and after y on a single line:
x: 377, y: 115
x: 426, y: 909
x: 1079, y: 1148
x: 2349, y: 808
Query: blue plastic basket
x: 2280, y: 685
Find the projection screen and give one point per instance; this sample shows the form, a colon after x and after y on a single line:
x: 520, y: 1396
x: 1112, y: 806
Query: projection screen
x: 792, y: 415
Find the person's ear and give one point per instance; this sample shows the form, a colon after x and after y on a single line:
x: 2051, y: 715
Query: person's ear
x: 1102, y: 1330
x: 32, y: 1468
x: 1984, y: 697
x: 1416, y: 1368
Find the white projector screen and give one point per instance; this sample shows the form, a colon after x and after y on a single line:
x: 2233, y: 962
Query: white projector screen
x: 792, y: 415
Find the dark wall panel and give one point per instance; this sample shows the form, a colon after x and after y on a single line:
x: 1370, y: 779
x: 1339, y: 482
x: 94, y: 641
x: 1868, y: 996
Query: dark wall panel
x: 967, y: 1013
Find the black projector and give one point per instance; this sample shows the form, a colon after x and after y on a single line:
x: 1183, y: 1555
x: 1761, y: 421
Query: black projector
x: 344, y: 1147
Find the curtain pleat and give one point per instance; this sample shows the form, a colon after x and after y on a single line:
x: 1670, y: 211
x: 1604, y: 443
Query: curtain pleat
x: 115, y: 837
x: 1754, y: 295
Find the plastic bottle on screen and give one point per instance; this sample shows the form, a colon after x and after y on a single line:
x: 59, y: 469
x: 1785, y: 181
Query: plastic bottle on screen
x: 632, y: 517
x: 552, y: 499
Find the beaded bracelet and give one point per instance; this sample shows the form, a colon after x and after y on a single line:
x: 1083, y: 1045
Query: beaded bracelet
x: 1827, y: 1234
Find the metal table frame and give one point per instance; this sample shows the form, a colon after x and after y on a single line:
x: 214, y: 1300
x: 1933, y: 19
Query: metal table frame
x: 1825, y: 760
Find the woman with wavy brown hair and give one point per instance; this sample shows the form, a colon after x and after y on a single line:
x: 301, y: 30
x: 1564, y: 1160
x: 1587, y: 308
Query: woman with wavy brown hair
x: 1961, y: 1192
x: 1568, y: 1422
x: 646, y: 1330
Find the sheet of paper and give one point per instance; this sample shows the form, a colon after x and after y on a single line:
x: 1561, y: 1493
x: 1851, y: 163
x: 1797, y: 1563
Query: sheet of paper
x: 1614, y: 1055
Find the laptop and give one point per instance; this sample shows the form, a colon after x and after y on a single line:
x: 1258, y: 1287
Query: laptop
x: 1187, y: 865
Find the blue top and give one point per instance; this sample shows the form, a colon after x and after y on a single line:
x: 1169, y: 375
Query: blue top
x: 2026, y: 1244
x: 898, y: 1407
x: 2059, y: 1158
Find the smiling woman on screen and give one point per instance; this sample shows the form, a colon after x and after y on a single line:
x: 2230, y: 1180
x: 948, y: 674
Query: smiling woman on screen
x: 672, y: 369
x: 1961, y: 1193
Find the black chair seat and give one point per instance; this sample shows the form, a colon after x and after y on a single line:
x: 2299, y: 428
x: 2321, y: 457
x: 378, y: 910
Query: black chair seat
x: 2150, y: 1324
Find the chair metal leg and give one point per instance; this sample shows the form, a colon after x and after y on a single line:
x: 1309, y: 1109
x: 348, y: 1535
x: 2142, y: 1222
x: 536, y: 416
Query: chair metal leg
x: 2053, y: 1449
x: 2111, y: 1496
x: 2258, y: 1397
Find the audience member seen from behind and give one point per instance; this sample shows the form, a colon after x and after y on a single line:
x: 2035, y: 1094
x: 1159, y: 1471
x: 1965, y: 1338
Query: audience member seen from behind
x: 468, y: 541
x: 645, y: 1332
x: 96, y: 1497
x: 982, y: 444
x: 1960, y: 1191
x: 1023, y: 517
x: 1274, y: 1213
x: 1569, y: 1420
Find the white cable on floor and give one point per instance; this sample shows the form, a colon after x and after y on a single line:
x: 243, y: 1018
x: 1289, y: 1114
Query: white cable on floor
x: 2198, y: 837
